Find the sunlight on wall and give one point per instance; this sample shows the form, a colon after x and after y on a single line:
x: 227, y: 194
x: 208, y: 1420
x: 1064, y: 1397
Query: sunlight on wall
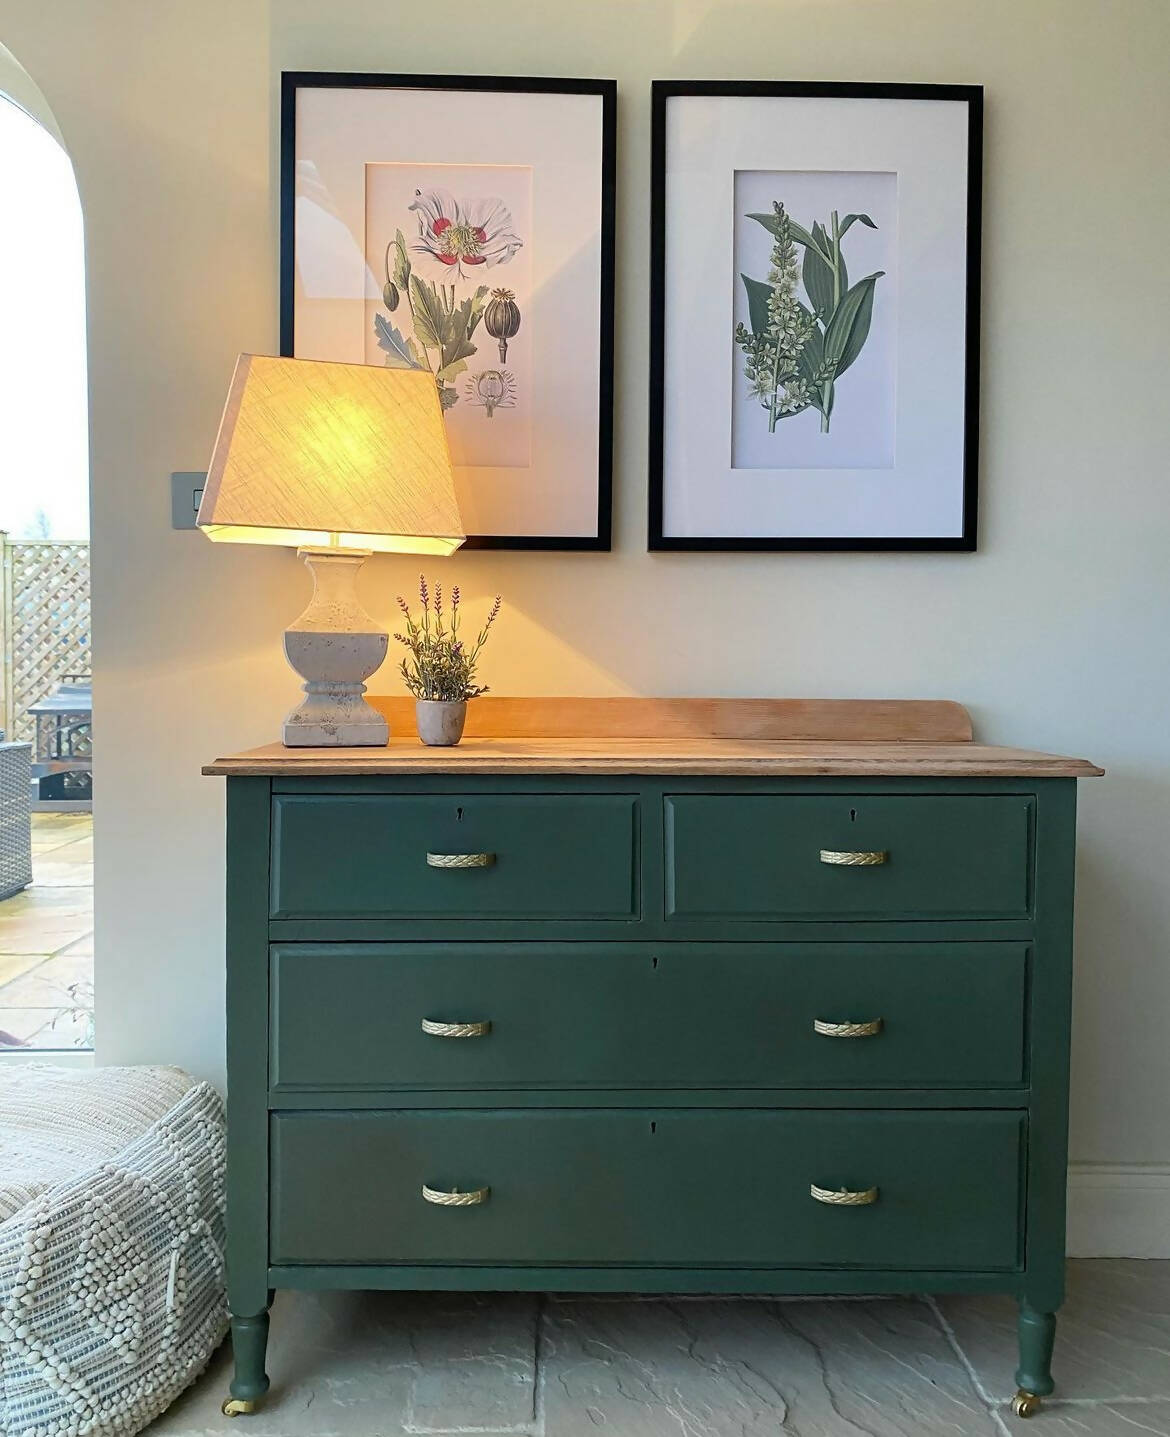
x: 44, y: 486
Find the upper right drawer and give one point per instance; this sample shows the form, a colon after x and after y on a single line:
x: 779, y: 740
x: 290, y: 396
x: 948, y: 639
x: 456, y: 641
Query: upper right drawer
x: 847, y: 856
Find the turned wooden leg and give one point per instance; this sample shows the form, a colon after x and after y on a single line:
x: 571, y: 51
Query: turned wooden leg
x: 250, y: 1383
x: 1034, y: 1374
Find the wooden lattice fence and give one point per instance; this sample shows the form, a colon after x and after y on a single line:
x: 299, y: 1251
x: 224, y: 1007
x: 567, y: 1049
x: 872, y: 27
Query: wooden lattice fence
x: 44, y: 623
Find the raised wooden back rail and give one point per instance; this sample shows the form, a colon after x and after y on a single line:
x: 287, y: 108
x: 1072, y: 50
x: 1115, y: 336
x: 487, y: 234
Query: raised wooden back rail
x: 778, y: 720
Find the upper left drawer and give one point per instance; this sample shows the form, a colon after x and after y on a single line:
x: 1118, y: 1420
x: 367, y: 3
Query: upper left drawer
x: 567, y: 856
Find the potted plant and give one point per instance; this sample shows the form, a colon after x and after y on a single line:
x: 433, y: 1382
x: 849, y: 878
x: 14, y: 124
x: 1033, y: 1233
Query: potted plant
x: 440, y: 668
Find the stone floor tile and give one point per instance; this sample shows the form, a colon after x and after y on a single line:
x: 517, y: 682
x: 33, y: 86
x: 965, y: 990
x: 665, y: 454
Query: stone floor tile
x: 1123, y: 1419
x: 71, y: 965
x: 42, y: 937
x: 52, y: 871
x: 329, y: 1378
x: 751, y: 1369
x: 15, y: 965
x: 44, y: 1028
x: 33, y: 902
x: 1112, y: 1334
x: 39, y: 988
x: 23, y: 1023
x: 381, y: 1365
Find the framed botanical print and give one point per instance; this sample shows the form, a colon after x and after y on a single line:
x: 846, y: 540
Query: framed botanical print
x: 814, y: 316
x: 466, y: 226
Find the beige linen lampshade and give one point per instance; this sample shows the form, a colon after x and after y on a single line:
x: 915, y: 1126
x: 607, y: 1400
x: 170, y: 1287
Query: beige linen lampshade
x: 315, y: 454
x: 336, y: 459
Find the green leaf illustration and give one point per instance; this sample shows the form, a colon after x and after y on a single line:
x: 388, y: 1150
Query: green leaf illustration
x: 455, y: 348
x: 758, y: 295
x: 848, y: 220
x: 429, y: 318
x: 400, y: 262
x: 849, y: 327
x: 452, y: 371
x: 812, y: 358
x: 818, y: 278
x: 472, y: 309
x: 401, y: 353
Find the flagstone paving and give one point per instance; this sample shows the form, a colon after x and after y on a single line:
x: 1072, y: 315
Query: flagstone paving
x: 383, y: 1364
x: 46, y: 939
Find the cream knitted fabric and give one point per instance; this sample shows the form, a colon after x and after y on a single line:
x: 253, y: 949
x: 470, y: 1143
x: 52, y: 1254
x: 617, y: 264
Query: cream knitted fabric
x: 55, y: 1122
x: 111, y: 1245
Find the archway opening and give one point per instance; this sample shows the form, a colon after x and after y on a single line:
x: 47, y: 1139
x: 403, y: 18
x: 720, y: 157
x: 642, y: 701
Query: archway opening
x: 46, y: 866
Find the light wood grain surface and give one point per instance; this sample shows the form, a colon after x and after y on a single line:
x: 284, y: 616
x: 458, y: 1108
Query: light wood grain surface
x: 872, y: 720
x: 794, y: 737
x: 659, y: 756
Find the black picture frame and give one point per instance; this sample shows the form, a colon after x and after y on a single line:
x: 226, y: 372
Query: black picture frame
x: 662, y: 91
x: 294, y: 80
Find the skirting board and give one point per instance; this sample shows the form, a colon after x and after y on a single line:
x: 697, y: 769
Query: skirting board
x: 1119, y: 1210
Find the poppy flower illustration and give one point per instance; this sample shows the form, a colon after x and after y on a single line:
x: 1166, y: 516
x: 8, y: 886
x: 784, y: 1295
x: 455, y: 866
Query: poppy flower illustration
x: 456, y: 233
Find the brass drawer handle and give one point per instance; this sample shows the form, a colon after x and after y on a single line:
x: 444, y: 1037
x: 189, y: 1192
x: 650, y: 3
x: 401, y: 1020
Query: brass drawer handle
x: 853, y: 859
x: 460, y: 860
x: 843, y: 1197
x: 847, y: 1030
x: 456, y: 1030
x: 455, y: 1198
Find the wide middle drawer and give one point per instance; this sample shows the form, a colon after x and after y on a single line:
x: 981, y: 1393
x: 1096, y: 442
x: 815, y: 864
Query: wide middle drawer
x: 497, y: 855
x: 671, y: 1188
x: 562, y: 1015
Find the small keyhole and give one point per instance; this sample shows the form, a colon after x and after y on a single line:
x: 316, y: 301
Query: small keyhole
x: 458, y: 815
x: 852, y: 815
x: 654, y: 962
x: 653, y: 1129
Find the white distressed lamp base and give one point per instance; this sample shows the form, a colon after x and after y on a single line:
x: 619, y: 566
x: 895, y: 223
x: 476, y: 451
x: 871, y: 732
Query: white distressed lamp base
x: 335, y: 646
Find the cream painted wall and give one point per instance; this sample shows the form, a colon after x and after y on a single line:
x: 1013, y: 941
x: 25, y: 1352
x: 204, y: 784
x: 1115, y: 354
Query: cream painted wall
x: 1054, y: 634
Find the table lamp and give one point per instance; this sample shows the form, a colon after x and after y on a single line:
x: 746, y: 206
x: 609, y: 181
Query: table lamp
x: 336, y: 460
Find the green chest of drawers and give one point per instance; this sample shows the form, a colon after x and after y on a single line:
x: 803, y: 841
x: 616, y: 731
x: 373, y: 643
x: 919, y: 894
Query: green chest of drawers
x: 694, y: 1015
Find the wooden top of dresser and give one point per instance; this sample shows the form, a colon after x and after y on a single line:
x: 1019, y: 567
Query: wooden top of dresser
x: 753, y: 737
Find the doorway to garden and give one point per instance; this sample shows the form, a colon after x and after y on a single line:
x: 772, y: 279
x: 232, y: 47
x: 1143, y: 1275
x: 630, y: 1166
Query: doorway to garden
x: 46, y: 735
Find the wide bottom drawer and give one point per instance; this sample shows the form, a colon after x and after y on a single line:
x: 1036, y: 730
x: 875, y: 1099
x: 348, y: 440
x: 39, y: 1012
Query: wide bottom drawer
x: 666, y: 1188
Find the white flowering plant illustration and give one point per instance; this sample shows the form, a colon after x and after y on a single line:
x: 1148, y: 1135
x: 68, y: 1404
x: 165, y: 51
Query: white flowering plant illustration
x: 794, y: 353
x: 459, y: 239
x: 457, y: 233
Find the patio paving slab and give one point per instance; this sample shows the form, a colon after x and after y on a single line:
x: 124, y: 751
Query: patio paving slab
x: 15, y: 965
x: 43, y: 1027
x: 46, y: 935
x: 53, y: 871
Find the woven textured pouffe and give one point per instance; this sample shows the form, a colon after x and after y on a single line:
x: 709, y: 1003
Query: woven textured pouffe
x: 111, y: 1245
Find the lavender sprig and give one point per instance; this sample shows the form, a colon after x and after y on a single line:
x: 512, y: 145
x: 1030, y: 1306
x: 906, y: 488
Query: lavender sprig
x: 439, y: 665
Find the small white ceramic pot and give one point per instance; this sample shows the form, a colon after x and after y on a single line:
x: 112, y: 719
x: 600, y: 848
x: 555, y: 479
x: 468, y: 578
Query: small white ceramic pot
x: 440, y: 723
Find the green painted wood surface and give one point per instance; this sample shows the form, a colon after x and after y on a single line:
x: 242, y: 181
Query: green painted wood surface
x: 555, y: 855
x: 758, y: 856
x: 648, y: 1015
x: 248, y: 806
x: 686, y: 1187
x: 607, y: 874
x: 777, y: 1281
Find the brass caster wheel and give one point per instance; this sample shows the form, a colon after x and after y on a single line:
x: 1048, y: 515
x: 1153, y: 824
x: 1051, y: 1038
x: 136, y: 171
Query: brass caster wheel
x: 1025, y: 1404
x: 237, y: 1407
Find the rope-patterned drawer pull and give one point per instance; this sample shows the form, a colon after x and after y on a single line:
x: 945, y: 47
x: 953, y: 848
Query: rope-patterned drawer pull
x: 455, y: 1198
x: 843, y: 1197
x: 854, y: 859
x: 456, y: 1030
x: 847, y: 1030
x: 460, y: 860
